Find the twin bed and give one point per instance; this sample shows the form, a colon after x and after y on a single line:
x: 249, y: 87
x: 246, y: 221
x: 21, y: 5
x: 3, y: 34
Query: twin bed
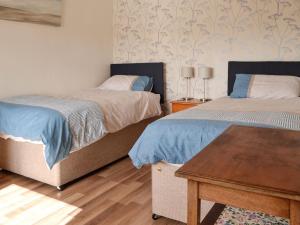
x: 104, y: 126
x: 166, y: 143
x: 173, y: 140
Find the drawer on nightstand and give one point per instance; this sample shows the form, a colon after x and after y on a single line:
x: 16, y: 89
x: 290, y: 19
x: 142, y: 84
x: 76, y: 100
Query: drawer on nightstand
x: 179, y: 105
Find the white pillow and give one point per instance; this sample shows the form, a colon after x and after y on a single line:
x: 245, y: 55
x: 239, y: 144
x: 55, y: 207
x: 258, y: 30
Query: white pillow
x: 274, y: 86
x: 119, y: 83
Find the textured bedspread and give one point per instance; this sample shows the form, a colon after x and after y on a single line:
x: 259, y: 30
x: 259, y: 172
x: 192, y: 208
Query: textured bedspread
x: 61, y: 124
x: 78, y: 120
x: 180, y: 136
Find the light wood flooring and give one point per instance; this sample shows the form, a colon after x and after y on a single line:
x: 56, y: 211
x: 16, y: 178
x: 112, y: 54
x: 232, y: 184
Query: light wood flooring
x: 116, y: 195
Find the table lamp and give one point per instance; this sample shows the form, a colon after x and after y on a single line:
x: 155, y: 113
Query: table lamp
x: 187, y: 73
x: 205, y: 73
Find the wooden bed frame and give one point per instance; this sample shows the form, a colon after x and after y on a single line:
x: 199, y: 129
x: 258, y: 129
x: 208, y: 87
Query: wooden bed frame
x: 28, y: 159
x: 169, y: 198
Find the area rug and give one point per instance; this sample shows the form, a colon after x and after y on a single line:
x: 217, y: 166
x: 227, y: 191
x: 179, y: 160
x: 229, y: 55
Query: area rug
x: 235, y: 216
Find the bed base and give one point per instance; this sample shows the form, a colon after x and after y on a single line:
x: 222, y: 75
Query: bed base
x: 169, y: 194
x: 28, y: 160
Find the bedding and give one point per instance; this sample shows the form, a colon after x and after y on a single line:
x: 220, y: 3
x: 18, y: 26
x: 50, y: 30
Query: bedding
x: 118, y: 83
x: 127, y: 83
x: 178, y: 137
x: 143, y: 83
x: 122, y: 108
x: 35, y: 123
x: 89, y: 115
x: 266, y: 86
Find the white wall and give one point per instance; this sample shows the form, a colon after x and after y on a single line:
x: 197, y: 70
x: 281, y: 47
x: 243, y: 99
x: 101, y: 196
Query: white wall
x: 39, y: 59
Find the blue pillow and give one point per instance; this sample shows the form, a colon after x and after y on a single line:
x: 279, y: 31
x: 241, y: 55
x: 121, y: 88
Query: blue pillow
x: 241, y: 86
x: 143, y: 83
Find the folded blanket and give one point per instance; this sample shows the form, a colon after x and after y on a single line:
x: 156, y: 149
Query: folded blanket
x: 61, y: 124
x: 38, y: 123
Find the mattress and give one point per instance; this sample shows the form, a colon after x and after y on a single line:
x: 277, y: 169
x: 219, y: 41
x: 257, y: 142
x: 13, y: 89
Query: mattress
x: 179, y: 136
x: 120, y: 108
x: 69, y: 123
x: 291, y: 105
x: 123, y: 108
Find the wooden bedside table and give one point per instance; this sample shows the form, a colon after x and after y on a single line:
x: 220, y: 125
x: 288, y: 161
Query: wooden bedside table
x: 179, y: 105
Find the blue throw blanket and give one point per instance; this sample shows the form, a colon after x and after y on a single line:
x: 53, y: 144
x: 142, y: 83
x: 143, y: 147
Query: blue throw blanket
x: 62, y: 124
x: 179, y: 137
x: 38, y: 123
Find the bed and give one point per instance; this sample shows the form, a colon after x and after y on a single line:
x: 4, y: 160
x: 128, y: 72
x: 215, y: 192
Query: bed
x: 27, y: 158
x: 177, y: 134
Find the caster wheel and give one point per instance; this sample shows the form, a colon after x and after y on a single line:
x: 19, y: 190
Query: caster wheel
x: 155, y: 217
x: 60, y: 188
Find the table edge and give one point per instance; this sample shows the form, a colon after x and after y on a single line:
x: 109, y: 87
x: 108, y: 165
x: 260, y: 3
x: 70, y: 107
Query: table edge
x: 240, y: 186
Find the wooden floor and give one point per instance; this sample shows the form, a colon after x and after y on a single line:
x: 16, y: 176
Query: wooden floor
x: 118, y: 194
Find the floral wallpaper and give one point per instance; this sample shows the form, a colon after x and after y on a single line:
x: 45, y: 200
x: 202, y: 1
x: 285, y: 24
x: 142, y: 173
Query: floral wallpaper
x: 205, y: 32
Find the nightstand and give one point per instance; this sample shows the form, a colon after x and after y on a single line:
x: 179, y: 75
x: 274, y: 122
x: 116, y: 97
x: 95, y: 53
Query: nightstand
x: 179, y: 105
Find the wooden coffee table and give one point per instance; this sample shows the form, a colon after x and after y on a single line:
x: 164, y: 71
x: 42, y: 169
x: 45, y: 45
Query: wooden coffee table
x: 247, y: 167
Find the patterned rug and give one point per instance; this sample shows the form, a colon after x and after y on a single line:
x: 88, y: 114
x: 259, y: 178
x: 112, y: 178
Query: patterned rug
x: 235, y: 216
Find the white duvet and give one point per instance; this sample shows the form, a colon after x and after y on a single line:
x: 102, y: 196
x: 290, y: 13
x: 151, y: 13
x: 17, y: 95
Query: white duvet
x: 122, y: 108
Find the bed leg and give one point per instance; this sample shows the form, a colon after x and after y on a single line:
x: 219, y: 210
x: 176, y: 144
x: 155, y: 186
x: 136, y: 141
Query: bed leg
x: 155, y: 217
x: 60, y: 188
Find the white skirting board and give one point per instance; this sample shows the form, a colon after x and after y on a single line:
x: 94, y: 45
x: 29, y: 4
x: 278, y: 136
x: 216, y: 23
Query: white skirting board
x: 169, y: 193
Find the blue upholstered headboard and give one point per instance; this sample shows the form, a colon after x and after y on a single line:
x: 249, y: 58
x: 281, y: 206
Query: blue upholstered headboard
x: 267, y: 67
x: 155, y: 70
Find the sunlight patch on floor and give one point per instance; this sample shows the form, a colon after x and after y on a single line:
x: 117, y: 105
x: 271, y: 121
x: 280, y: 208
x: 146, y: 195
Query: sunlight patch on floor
x: 19, y: 205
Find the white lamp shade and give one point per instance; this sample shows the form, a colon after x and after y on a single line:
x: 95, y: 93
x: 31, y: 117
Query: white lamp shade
x: 187, y: 72
x: 205, y: 72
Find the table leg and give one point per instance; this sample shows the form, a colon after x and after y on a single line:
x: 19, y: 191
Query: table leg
x: 193, y: 203
x: 295, y: 212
